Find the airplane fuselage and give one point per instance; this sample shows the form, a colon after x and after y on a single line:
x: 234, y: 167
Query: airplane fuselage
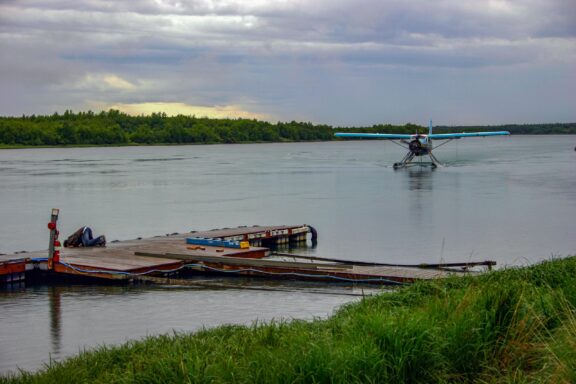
x: 420, y: 145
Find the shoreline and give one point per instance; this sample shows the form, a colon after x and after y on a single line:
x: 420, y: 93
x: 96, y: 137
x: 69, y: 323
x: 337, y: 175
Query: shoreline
x: 152, y: 145
x: 9, y: 147
x: 516, y: 323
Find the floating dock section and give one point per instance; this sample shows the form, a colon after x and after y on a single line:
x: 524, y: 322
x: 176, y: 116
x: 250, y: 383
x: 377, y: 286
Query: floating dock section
x: 317, y: 271
x: 259, y: 236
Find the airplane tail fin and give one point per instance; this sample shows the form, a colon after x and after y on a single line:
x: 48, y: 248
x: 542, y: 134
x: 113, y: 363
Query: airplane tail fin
x: 430, y: 127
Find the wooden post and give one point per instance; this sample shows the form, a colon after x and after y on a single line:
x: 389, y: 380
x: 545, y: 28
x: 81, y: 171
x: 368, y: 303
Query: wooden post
x: 53, y: 238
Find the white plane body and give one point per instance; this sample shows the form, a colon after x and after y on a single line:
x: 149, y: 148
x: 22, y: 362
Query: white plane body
x: 419, y: 144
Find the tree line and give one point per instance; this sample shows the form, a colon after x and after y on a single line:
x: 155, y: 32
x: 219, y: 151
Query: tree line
x: 116, y: 128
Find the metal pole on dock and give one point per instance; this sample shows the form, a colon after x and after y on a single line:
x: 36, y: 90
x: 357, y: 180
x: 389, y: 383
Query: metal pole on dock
x: 53, y: 252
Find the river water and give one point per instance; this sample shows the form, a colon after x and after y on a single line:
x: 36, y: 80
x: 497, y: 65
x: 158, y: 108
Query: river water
x: 510, y: 199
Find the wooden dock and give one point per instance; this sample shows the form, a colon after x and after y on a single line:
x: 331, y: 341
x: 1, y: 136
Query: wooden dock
x: 128, y: 259
x: 118, y: 260
x: 171, y: 256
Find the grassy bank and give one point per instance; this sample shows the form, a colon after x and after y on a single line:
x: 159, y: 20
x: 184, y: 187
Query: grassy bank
x: 515, y: 325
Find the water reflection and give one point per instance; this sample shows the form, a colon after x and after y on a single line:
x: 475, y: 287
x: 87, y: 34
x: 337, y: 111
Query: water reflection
x: 362, y: 209
x: 420, y: 178
x: 419, y: 181
x: 55, y: 296
x: 43, y: 323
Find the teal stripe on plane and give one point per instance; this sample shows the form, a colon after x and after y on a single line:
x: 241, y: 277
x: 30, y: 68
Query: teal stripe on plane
x: 434, y: 136
x: 374, y: 135
x: 440, y: 136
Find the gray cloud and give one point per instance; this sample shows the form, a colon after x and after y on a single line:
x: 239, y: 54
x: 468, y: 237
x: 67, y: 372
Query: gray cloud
x: 326, y: 61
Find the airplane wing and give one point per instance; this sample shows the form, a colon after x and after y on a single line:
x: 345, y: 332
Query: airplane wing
x: 390, y: 136
x: 441, y: 136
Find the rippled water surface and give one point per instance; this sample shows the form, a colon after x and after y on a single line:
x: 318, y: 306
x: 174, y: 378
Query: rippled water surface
x: 509, y: 199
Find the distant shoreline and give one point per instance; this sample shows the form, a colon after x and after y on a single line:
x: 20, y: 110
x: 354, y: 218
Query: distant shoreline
x: 9, y: 147
x: 114, y: 128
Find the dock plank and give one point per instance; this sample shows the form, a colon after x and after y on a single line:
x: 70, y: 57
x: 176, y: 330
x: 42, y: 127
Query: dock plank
x: 403, y: 272
x: 124, y: 262
x: 258, y: 262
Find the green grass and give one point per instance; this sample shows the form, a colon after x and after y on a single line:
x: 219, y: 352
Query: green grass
x: 510, y: 326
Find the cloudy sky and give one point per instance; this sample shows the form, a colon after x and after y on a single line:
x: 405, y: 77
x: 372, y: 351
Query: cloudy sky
x: 340, y: 62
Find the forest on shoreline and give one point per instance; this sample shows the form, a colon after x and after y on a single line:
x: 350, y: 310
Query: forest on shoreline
x: 117, y: 128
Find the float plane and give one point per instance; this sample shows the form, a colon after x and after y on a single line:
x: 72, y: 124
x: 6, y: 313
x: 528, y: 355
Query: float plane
x: 419, y: 145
